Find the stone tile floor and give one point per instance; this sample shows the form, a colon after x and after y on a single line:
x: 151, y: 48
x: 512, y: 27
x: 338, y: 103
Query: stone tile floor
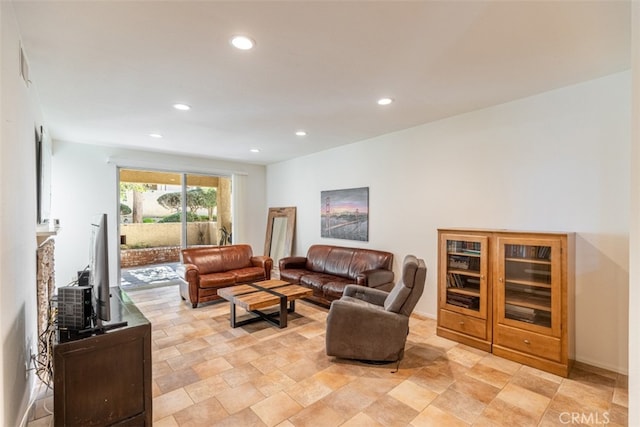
x: 207, y: 374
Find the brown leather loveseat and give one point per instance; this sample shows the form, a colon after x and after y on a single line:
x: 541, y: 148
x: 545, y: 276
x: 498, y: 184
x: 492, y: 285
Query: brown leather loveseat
x: 206, y: 269
x: 329, y: 269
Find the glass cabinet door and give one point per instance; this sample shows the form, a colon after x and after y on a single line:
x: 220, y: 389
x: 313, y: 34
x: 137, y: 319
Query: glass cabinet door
x: 528, y: 283
x: 465, y: 269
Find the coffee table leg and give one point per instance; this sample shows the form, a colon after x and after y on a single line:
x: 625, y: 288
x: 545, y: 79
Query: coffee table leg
x: 283, y: 312
x: 232, y: 308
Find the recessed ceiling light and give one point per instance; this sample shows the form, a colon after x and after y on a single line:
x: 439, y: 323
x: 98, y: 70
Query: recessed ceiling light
x: 242, y: 42
x: 301, y: 133
x: 385, y: 101
x: 183, y: 107
x: 155, y: 135
x: 254, y: 150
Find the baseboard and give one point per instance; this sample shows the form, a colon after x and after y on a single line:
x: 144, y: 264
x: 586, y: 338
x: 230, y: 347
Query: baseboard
x: 29, y: 412
x: 605, y: 366
x: 35, y: 394
x: 425, y: 315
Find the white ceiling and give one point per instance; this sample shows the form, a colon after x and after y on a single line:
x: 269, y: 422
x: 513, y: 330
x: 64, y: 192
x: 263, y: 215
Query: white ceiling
x: 108, y: 72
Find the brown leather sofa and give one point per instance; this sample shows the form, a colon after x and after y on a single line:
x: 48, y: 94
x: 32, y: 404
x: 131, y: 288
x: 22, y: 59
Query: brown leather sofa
x: 329, y: 269
x: 204, y: 270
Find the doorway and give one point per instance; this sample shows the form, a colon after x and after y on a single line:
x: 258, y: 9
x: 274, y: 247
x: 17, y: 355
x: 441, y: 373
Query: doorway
x: 161, y: 213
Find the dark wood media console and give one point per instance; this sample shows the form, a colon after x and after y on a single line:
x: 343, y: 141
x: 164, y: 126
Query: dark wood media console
x: 105, y: 379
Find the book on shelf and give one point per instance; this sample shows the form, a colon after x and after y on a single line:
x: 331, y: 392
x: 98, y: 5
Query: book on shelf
x: 528, y: 315
x: 463, y: 246
x: 465, y: 301
x: 471, y: 251
x: 464, y: 263
x: 454, y: 281
x: 459, y: 262
x: 522, y: 314
x: 459, y: 281
x: 528, y: 252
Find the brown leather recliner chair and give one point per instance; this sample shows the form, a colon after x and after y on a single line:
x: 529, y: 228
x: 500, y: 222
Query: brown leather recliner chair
x: 372, y: 325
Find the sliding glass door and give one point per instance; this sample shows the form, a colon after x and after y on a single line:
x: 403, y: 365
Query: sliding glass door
x: 208, y: 210
x: 162, y: 212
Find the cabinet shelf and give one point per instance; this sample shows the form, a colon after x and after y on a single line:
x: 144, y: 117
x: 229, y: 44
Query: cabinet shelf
x: 529, y: 283
x: 465, y: 272
x: 464, y: 253
x: 529, y: 302
x: 529, y: 260
x: 465, y: 291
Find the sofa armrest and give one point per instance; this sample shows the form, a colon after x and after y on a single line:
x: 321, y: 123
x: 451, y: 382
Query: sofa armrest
x: 374, y: 278
x: 264, y: 262
x: 189, y: 273
x: 370, y: 295
x: 293, y: 262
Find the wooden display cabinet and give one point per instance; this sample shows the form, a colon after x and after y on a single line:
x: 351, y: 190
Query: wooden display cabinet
x: 464, y: 305
x: 534, y: 298
x: 529, y: 295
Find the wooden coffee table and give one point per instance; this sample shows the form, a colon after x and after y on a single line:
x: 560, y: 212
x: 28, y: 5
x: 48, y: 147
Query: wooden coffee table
x: 254, y: 297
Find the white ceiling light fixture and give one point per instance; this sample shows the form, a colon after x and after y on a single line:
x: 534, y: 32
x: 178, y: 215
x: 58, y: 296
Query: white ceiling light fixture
x: 242, y: 42
x: 385, y: 101
x: 254, y: 150
x: 155, y: 135
x: 182, y: 107
x: 301, y: 133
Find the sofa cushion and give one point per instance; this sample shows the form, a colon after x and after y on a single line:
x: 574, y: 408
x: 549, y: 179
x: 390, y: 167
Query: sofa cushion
x: 248, y: 274
x: 338, y: 262
x: 335, y: 289
x: 316, y: 257
x: 316, y: 280
x: 217, y: 280
x: 208, y: 261
x: 293, y: 275
x: 236, y: 257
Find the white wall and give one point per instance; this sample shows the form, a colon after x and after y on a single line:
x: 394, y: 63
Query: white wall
x: 84, y: 184
x: 554, y: 162
x: 19, y: 117
x: 634, y: 255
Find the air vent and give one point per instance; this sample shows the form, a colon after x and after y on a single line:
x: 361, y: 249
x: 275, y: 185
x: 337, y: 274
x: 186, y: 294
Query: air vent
x: 24, y: 68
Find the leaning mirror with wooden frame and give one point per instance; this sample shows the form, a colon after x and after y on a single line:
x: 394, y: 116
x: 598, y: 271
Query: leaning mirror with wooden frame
x: 281, y: 224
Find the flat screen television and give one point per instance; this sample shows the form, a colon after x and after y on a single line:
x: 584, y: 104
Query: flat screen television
x: 99, y: 268
x: 99, y: 275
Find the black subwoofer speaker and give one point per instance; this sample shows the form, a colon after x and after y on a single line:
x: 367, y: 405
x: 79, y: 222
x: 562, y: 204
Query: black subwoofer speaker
x: 74, y: 308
